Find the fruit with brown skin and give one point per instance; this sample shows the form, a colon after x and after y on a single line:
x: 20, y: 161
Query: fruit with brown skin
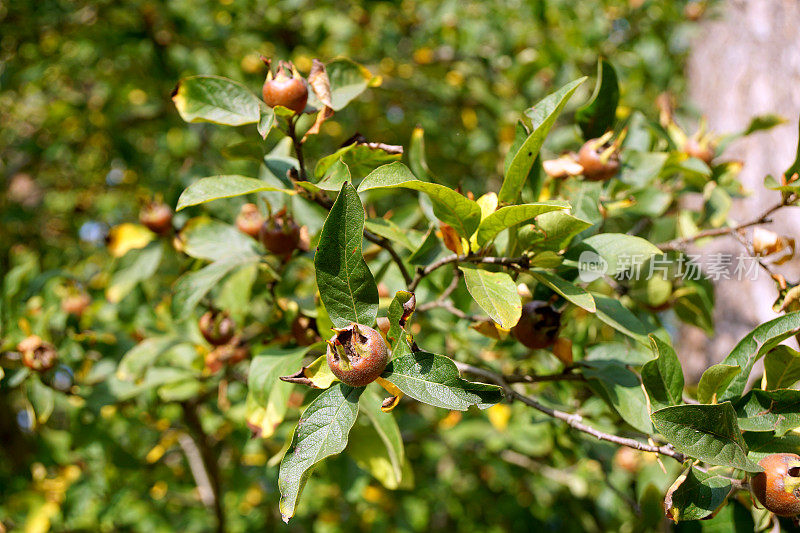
x: 280, y: 235
x: 599, y: 161
x: 538, y: 326
x: 227, y: 354
x: 76, y: 303
x: 285, y: 89
x: 357, y: 355
x: 778, y: 486
x: 702, y: 150
x: 37, y: 354
x: 249, y: 220
x: 157, y: 216
x: 304, y: 330
x: 217, y: 327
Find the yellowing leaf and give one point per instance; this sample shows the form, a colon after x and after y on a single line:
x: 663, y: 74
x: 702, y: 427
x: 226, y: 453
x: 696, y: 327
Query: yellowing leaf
x: 126, y: 237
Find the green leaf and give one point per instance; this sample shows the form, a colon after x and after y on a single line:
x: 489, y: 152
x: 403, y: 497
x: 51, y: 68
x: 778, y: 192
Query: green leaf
x: 754, y: 346
x: 322, y: 431
x: 694, y: 304
x: 316, y: 374
x: 216, y: 187
x: 267, y: 396
x: 434, y: 379
x: 346, y: 285
x: 568, y: 290
x: 448, y: 205
x: 615, y: 248
x: 613, y: 313
x: 42, y: 399
x: 496, y: 293
x: 705, y: 432
x: 416, y: 155
x: 212, y: 240
x: 266, y: 119
x: 337, y: 175
x: 697, y: 496
x: 715, y: 378
x: 138, y: 359
x: 547, y: 110
x: 762, y: 443
x: 622, y: 390
x: 599, y: 113
x: 663, y: 376
x: 511, y: 215
x: 781, y: 367
x: 400, y: 310
x: 136, y: 266
x: 387, y: 429
x: 191, y: 287
x: 428, y: 250
x: 215, y: 99
x: 795, y: 168
x: 390, y: 230
x: 361, y: 158
x: 348, y: 81
x: 553, y: 231
x: 777, y: 410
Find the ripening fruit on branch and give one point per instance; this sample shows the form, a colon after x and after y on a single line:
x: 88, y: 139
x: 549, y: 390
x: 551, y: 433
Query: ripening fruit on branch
x: 286, y: 88
x: 157, y: 216
x: 75, y: 303
x: 538, y: 326
x: 700, y: 148
x: 599, y: 160
x: 37, y: 354
x: 217, y: 327
x: 778, y: 486
x: 280, y: 235
x: 227, y: 354
x: 357, y: 355
x: 249, y: 220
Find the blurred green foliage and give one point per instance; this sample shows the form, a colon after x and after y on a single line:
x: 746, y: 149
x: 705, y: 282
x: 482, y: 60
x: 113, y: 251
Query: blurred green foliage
x: 86, y: 116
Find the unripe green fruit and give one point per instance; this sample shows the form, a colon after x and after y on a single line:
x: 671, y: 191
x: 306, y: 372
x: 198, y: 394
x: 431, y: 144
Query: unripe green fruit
x: 538, y: 326
x: 357, y: 355
x: 778, y: 486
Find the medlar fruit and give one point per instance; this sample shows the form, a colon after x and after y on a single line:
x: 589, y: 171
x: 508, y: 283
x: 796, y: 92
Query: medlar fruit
x: 280, y: 235
x: 227, y: 354
x: 249, y: 220
x: 599, y: 161
x: 157, y: 216
x: 75, y: 303
x: 37, y: 354
x: 287, y: 90
x: 538, y: 326
x: 702, y: 149
x: 357, y: 355
x: 778, y: 486
x: 217, y: 327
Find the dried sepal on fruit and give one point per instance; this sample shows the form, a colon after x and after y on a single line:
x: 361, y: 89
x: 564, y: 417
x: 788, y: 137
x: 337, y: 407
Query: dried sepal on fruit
x: 357, y: 355
x: 599, y: 158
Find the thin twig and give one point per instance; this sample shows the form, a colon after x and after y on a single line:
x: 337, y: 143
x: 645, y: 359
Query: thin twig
x: 298, y: 148
x: 209, y: 460
x: 517, y: 262
x: 677, y: 244
x: 572, y: 419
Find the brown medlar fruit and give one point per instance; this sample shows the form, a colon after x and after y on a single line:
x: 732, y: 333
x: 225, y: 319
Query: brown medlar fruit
x: 227, y: 354
x: 778, y: 486
x: 75, y: 303
x: 217, y: 327
x: 599, y: 161
x: 289, y: 90
x: 157, y: 216
x: 538, y: 326
x: 249, y: 220
x: 37, y: 354
x: 280, y: 235
x: 357, y: 355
